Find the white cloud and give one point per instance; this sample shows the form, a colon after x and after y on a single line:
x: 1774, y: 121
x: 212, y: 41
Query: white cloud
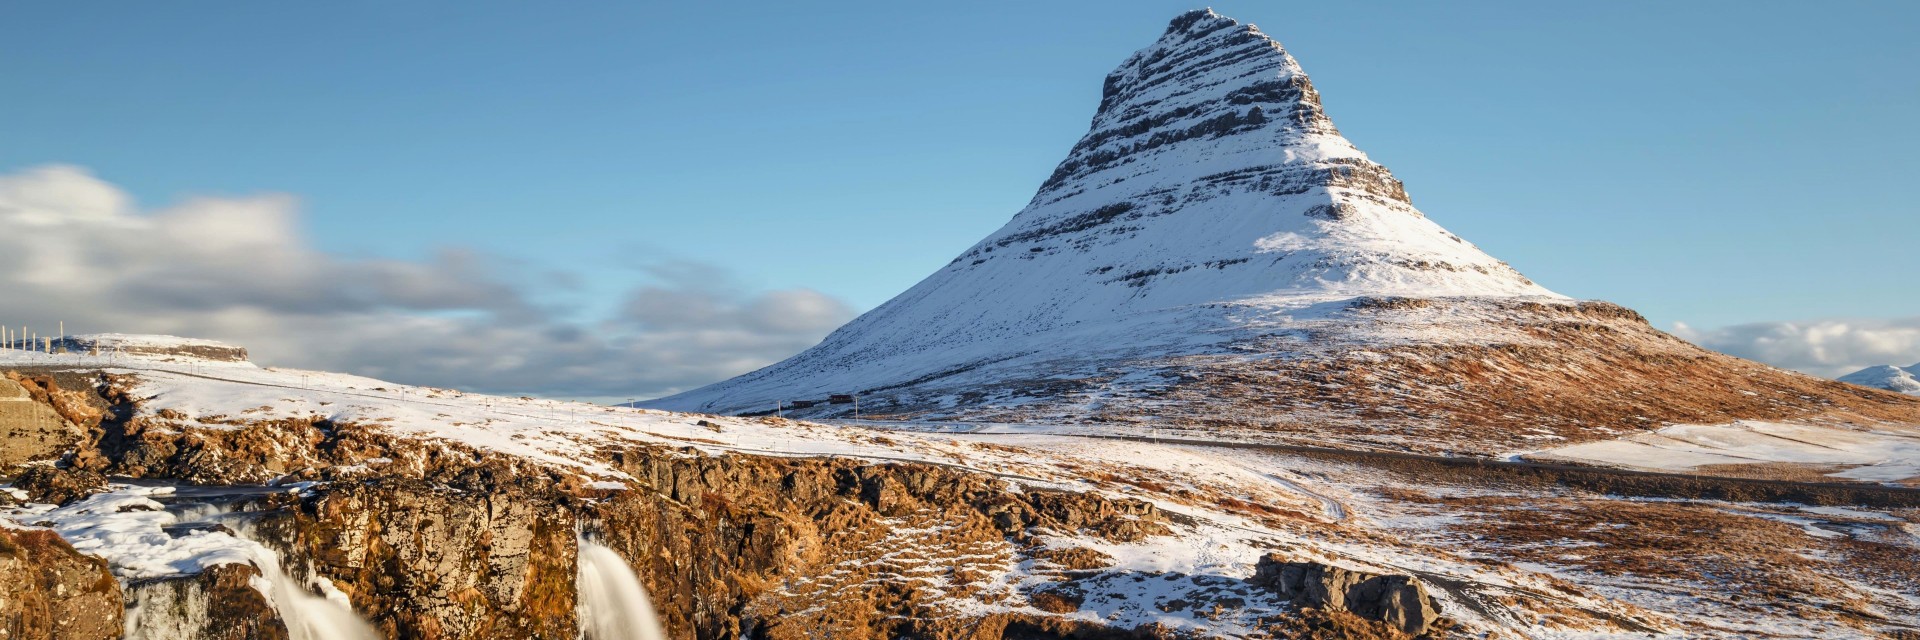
x: 75, y: 248
x: 1828, y: 348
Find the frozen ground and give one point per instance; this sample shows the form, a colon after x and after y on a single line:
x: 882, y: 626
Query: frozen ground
x: 1232, y: 505
x: 1884, y: 453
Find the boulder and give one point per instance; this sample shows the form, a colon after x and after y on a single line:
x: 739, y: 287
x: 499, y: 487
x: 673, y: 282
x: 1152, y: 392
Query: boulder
x: 1398, y: 600
x: 52, y: 485
x: 52, y: 591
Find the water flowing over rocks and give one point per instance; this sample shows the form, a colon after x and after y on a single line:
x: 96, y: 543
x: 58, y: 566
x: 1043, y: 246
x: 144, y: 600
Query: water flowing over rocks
x: 459, y: 543
x: 613, y: 603
x: 1211, y: 259
x: 220, y: 603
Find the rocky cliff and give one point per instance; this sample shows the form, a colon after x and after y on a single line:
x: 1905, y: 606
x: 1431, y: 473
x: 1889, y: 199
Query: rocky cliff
x: 1215, y: 259
x: 454, y: 516
x: 52, y: 591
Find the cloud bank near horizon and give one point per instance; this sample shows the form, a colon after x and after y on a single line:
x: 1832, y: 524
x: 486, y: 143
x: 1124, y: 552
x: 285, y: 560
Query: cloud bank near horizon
x: 76, y: 248
x: 1828, y: 348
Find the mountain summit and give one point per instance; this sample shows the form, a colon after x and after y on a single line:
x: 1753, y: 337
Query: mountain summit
x: 1896, y: 379
x: 1212, y: 252
x: 1210, y: 152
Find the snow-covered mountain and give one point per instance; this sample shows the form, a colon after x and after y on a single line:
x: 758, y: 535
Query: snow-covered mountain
x: 1213, y: 249
x: 1889, y: 377
x: 1210, y: 185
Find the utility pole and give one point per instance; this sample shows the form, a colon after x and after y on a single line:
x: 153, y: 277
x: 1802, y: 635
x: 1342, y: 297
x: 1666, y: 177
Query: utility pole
x: 856, y: 406
x: 779, y: 410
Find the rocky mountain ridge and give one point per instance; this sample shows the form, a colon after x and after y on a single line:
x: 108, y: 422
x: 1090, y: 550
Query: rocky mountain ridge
x: 1212, y: 256
x: 1263, y: 283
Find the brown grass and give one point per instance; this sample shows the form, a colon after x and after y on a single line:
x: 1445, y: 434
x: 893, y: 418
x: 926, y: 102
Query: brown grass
x: 1747, y: 560
x: 1587, y: 372
x: 1785, y: 471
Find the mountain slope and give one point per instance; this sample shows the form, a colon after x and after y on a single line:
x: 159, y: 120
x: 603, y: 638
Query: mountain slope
x: 1889, y: 377
x: 1213, y: 252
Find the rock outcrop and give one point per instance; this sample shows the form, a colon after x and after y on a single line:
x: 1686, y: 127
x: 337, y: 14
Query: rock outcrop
x: 478, y: 557
x: 54, y: 485
x: 730, y: 546
x: 219, y: 603
x: 1398, y: 600
x: 149, y: 346
x: 49, y: 590
x: 450, y: 542
x: 30, y: 431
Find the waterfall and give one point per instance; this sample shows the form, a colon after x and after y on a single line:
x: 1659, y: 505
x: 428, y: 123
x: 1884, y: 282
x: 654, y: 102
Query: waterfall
x: 308, y: 616
x: 613, y: 604
x: 177, y: 606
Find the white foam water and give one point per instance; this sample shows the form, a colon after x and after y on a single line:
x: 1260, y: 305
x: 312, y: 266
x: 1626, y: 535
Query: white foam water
x: 155, y: 549
x: 308, y: 616
x: 613, y: 604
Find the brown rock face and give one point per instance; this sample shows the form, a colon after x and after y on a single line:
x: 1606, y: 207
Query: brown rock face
x: 49, y: 590
x: 776, y: 548
x: 52, y: 485
x: 1398, y: 600
x: 219, y: 603
x: 30, y: 430
x: 728, y: 546
x: 480, y: 558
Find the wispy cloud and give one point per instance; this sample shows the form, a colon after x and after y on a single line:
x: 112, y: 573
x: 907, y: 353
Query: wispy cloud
x: 74, y: 247
x: 1828, y: 348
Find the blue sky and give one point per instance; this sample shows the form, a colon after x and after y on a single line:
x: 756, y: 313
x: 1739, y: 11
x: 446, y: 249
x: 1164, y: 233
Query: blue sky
x: 1713, y: 163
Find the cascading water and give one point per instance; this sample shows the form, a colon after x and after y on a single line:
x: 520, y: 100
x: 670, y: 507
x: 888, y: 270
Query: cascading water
x: 613, y: 604
x: 157, y: 536
x: 307, y: 616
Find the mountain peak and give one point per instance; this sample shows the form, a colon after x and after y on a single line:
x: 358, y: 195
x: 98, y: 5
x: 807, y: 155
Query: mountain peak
x: 1207, y: 77
x: 1888, y: 377
x: 1186, y: 22
x: 1210, y: 195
